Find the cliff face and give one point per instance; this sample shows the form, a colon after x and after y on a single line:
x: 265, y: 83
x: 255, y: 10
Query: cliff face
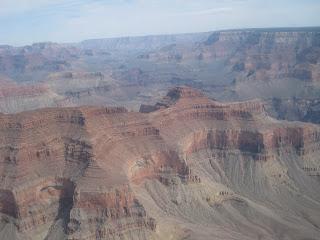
x: 190, y: 169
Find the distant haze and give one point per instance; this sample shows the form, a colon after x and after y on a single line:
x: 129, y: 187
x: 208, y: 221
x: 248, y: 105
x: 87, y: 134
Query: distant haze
x: 27, y: 21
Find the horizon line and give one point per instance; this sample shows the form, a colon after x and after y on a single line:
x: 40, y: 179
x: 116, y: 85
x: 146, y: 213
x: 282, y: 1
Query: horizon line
x: 290, y: 29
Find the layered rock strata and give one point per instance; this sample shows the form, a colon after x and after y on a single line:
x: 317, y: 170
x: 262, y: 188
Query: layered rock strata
x: 193, y: 169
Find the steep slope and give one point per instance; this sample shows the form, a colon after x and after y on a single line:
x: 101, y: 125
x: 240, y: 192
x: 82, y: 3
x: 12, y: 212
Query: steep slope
x: 194, y: 168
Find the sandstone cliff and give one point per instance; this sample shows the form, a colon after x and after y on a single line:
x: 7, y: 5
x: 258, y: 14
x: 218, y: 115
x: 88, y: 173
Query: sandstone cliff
x: 193, y: 169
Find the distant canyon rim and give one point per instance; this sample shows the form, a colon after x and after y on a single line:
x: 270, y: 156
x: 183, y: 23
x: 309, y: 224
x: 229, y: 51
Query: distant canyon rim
x: 279, y: 66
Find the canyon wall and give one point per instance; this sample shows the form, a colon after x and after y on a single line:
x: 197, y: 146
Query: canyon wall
x: 192, y: 169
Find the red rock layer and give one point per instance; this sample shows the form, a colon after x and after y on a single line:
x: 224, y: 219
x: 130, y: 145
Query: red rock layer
x: 78, y: 164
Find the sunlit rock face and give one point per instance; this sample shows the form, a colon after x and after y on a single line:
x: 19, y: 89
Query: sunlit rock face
x: 191, y: 168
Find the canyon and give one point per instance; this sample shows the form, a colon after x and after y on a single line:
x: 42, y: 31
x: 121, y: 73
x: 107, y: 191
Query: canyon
x: 186, y: 167
x: 279, y: 66
x: 201, y: 136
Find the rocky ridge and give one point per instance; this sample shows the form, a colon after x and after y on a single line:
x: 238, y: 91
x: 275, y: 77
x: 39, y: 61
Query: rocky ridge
x: 193, y: 169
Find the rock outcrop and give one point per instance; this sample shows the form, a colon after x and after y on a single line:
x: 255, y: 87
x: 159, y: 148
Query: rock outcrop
x: 192, y: 167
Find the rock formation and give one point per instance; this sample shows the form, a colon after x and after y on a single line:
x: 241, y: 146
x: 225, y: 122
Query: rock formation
x: 280, y: 66
x: 193, y: 168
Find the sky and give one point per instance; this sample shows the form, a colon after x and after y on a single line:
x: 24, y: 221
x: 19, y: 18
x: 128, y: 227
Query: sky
x: 24, y: 22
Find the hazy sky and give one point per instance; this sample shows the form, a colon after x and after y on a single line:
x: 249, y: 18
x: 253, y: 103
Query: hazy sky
x: 28, y: 21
